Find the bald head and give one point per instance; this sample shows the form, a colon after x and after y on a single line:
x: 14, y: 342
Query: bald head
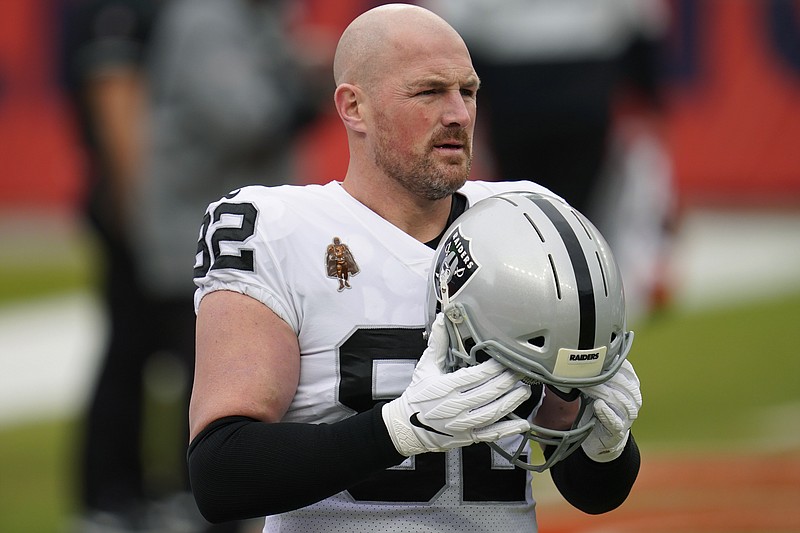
x: 373, y: 36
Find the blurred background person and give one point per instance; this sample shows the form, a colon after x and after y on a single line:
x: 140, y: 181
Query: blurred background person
x: 220, y: 96
x: 105, y: 49
x: 571, y: 97
x: 230, y: 92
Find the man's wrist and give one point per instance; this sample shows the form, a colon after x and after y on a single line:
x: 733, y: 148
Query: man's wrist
x: 403, y: 437
x: 600, y: 454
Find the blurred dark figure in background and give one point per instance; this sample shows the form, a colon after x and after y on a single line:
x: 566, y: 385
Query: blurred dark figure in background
x: 553, y: 75
x: 105, y: 49
x: 230, y: 92
x: 550, y: 71
x: 180, y: 101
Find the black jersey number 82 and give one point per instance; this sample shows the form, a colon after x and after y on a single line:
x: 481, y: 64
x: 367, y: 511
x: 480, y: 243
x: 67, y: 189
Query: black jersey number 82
x: 246, y: 213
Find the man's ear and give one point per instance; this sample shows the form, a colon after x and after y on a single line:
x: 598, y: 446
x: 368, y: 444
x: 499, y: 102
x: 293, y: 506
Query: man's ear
x: 348, y: 100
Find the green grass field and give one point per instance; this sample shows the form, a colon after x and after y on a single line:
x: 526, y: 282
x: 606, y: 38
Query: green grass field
x: 718, y: 379
x: 726, y: 379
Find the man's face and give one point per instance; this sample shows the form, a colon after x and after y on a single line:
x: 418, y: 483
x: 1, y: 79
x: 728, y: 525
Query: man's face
x: 424, y: 119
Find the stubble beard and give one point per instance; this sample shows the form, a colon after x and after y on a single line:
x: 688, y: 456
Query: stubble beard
x: 424, y: 176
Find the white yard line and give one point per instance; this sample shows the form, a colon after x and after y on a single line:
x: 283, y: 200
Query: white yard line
x: 723, y: 257
x: 48, y: 355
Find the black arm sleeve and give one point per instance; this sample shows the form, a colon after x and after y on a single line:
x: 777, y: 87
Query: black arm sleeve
x: 240, y: 468
x: 593, y: 487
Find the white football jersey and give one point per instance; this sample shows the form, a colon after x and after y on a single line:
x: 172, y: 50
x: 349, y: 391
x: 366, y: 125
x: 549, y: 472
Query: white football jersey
x: 353, y: 288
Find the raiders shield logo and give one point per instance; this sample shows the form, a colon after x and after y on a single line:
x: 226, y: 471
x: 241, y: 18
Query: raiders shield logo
x: 454, y: 265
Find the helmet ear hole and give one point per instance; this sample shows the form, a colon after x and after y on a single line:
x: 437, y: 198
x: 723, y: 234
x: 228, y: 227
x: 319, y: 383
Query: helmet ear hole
x: 537, y: 341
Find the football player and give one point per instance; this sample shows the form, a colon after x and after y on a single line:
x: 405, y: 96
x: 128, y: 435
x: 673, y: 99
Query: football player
x: 322, y: 405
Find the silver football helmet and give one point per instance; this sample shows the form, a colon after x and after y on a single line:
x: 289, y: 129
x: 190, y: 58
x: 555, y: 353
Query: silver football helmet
x: 527, y: 280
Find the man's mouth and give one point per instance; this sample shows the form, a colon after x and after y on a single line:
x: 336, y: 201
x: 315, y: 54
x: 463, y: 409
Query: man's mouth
x: 454, y: 143
x: 449, y: 146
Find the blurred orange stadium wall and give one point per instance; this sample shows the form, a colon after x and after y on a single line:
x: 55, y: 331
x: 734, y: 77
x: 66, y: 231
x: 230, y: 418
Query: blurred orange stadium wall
x: 733, y: 116
x: 732, y: 124
x: 40, y: 160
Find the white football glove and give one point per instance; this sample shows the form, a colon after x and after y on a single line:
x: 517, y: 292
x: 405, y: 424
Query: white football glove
x: 616, y: 406
x: 440, y: 411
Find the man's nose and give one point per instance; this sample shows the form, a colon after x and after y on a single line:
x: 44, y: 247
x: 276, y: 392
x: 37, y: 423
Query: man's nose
x: 457, y: 110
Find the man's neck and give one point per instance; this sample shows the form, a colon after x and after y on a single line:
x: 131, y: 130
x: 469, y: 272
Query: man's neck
x: 421, y: 218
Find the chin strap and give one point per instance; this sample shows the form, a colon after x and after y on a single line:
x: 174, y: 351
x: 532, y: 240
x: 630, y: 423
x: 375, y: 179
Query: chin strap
x: 565, y: 394
x: 453, y: 316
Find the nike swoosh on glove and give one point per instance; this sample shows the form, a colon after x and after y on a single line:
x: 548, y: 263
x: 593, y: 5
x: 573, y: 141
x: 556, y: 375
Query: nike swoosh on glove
x: 440, y: 411
x: 616, y: 406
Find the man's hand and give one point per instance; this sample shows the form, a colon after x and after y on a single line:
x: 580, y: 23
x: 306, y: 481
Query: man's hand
x: 440, y: 411
x: 616, y: 406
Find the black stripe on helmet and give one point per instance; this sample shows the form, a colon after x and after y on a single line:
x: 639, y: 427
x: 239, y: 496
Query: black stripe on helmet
x: 583, y: 278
